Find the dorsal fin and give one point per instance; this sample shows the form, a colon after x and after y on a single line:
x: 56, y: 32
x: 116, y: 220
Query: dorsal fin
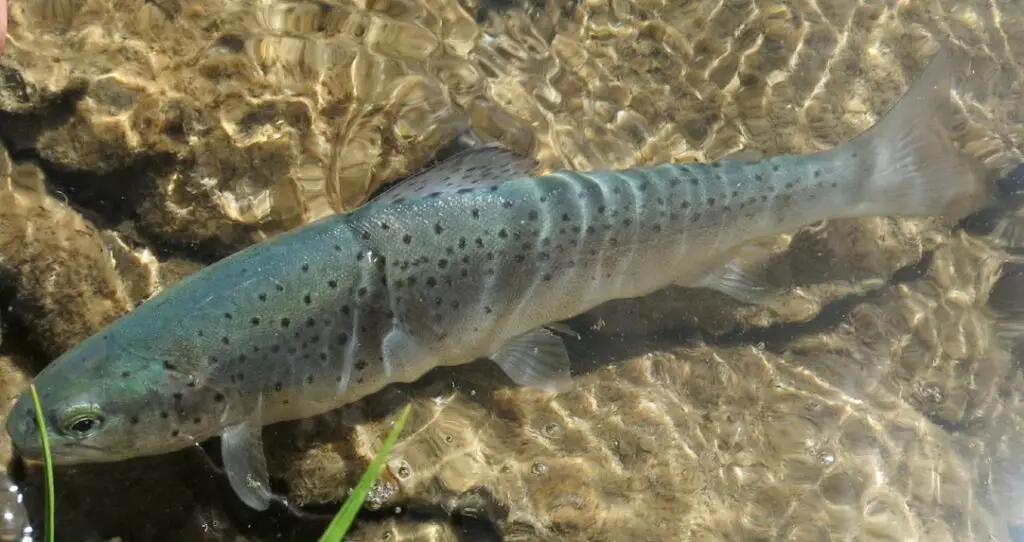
x: 473, y: 168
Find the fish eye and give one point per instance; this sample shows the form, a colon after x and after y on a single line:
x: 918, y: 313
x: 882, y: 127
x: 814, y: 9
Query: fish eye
x: 81, y: 421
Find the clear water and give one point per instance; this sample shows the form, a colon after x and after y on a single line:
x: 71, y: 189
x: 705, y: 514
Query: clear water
x: 879, y: 398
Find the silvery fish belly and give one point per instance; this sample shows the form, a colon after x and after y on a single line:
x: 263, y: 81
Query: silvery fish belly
x: 473, y: 258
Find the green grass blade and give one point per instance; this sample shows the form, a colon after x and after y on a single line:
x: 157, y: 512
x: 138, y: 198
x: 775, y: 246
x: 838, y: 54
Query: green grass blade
x: 47, y: 463
x: 343, y: 521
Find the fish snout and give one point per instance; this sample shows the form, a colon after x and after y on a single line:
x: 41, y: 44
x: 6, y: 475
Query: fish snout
x: 23, y: 428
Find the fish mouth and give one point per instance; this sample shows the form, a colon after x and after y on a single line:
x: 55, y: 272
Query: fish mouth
x: 66, y: 453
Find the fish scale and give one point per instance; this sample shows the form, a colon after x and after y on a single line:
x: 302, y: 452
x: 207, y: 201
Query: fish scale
x: 475, y: 257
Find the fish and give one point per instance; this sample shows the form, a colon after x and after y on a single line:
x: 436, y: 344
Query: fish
x: 476, y: 257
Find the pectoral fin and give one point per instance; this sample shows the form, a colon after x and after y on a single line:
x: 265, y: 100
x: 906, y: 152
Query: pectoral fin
x: 537, y: 359
x: 245, y: 464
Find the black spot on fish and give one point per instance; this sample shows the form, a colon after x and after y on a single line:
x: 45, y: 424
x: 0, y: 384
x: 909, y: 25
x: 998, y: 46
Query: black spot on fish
x: 175, y: 433
x: 407, y: 239
x: 431, y: 282
x: 169, y: 366
x: 279, y: 287
x: 307, y: 299
x: 199, y: 333
x: 475, y: 213
x: 442, y: 263
x: 285, y: 322
x: 361, y: 292
x: 197, y: 420
x: 345, y: 310
x: 305, y: 268
x: 309, y: 379
x: 225, y: 340
x: 164, y: 414
x: 566, y: 217
x: 278, y: 386
x: 479, y: 242
x: 125, y: 374
x: 332, y: 283
x: 533, y: 215
x: 218, y: 397
x: 262, y: 297
x: 384, y: 226
x: 177, y: 396
x: 546, y: 277
x: 462, y: 242
x: 711, y: 202
x: 310, y: 322
x: 227, y: 315
x: 488, y: 310
x: 502, y: 233
x: 134, y: 420
x: 775, y: 168
x: 255, y: 320
x: 360, y: 364
x: 342, y: 338
x: 507, y: 204
x: 438, y: 229
x: 627, y: 222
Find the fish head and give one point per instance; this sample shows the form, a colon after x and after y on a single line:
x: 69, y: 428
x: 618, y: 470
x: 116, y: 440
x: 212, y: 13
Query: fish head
x: 104, y: 402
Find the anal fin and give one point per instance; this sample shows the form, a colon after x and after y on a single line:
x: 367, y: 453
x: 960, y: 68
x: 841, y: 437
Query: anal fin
x: 736, y: 280
x: 536, y: 359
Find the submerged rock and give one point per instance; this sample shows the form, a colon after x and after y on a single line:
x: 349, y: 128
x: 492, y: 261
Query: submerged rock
x: 871, y: 400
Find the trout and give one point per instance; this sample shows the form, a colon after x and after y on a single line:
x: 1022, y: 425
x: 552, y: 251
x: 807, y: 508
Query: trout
x: 473, y: 258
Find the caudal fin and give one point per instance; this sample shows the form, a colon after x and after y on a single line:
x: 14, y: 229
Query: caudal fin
x: 912, y: 166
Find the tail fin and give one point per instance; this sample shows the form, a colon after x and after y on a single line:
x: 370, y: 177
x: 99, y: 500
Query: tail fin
x: 914, y: 169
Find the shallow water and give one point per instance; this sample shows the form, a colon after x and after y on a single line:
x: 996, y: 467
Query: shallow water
x: 880, y: 398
